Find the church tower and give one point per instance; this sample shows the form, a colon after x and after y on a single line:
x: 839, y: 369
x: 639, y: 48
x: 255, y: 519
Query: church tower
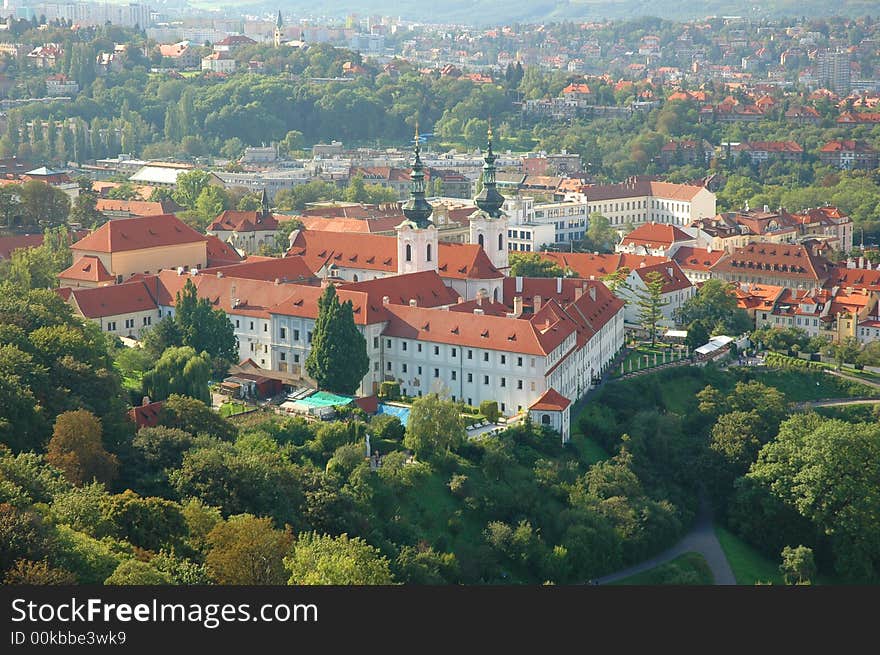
x: 489, y: 224
x: 417, y: 236
x: 278, y: 35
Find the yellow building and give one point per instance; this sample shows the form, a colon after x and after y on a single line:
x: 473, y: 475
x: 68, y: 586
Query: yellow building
x: 124, y: 247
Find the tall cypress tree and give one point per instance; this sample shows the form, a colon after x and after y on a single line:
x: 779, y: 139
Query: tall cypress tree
x: 338, y: 359
x: 650, y: 302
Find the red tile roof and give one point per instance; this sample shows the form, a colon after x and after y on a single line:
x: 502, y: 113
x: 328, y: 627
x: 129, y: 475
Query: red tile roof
x: 379, y: 253
x: 789, y: 261
x: 113, y: 300
x: 588, y: 265
x: 219, y: 253
x: 285, y: 269
x: 136, y: 207
x: 653, y: 235
x: 551, y: 401
x: 426, y: 288
x: 137, y: 233
x: 847, y: 145
x: 9, y: 244
x: 232, y: 220
x: 87, y: 269
x: 696, y: 259
x: 372, y: 226
x: 538, y: 335
x: 674, y: 278
x: 146, y: 416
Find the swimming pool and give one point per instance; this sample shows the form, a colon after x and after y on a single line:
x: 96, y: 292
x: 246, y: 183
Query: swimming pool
x: 401, y: 413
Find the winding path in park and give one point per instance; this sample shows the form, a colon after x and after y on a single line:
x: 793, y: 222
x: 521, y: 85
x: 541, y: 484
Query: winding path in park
x: 701, y: 539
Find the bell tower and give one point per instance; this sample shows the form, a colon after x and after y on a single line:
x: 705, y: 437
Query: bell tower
x: 278, y: 35
x: 488, y: 225
x: 417, y: 236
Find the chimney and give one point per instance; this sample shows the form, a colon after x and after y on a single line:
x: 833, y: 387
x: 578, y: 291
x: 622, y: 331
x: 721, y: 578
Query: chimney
x: 219, y: 274
x: 593, y: 294
x: 766, y: 209
x: 413, y: 302
x: 145, y: 401
x: 536, y: 304
x: 385, y: 300
x: 479, y: 312
x: 850, y: 263
x: 517, y: 306
x: 180, y: 270
x: 519, y: 284
x: 460, y: 300
x: 559, y: 285
x: 578, y: 292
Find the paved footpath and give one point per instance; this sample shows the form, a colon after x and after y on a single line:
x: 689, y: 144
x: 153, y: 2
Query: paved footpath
x: 701, y: 539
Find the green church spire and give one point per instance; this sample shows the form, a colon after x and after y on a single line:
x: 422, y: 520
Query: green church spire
x: 489, y: 200
x: 417, y: 209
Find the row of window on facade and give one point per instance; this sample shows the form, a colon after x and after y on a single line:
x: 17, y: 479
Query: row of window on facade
x: 129, y: 323
x: 404, y: 368
x: 453, y: 351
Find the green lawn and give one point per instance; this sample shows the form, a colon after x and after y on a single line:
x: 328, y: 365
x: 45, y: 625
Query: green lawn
x: 689, y: 569
x: 637, y: 357
x: 749, y: 566
x: 589, y: 452
x: 231, y: 409
x: 800, y: 386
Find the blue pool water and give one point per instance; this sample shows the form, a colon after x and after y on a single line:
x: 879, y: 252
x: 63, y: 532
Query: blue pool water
x: 401, y: 413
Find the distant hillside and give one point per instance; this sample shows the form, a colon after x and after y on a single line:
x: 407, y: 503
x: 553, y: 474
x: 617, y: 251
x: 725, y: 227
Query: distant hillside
x: 485, y: 12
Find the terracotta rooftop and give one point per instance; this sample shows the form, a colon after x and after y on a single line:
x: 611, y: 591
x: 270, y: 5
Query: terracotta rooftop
x: 696, y: 259
x: 232, y: 220
x: 589, y: 265
x: 87, y: 269
x: 138, y: 233
x: 113, y: 300
x: 379, y: 253
x: 653, y: 235
x: 551, y: 401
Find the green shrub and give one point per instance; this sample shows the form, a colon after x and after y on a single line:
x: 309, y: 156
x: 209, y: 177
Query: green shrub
x: 489, y: 409
x: 389, y: 390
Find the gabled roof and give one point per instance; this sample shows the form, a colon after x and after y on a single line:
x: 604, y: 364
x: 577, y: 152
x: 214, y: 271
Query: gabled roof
x: 10, y: 244
x: 136, y: 207
x: 654, y: 235
x: 538, y: 335
x: 232, y: 220
x: 137, y: 233
x: 426, y: 288
x: 219, y: 253
x: 788, y: 261
x: 847, y: 145
x: 285, y: 269
x: 348, y: 225
x: 674, y: 278
x: 691, y: 258
x: 146, y: 416
x: 588, y: 265
x: 379, y: 253
x: 113, y: 300
x: 87, y: 269
x: 551, y: 401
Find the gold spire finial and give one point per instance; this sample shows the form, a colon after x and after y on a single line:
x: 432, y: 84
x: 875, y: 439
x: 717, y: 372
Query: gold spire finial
x: 417, y: 131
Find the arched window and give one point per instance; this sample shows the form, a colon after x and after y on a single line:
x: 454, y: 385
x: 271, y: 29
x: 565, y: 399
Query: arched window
x: 545, y: 419
x: 354, y: 278
x: 500, y: 242
x: 480, y: 240
x: 429, y: 252
x: 408, y: 253
x: 495, y: 294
